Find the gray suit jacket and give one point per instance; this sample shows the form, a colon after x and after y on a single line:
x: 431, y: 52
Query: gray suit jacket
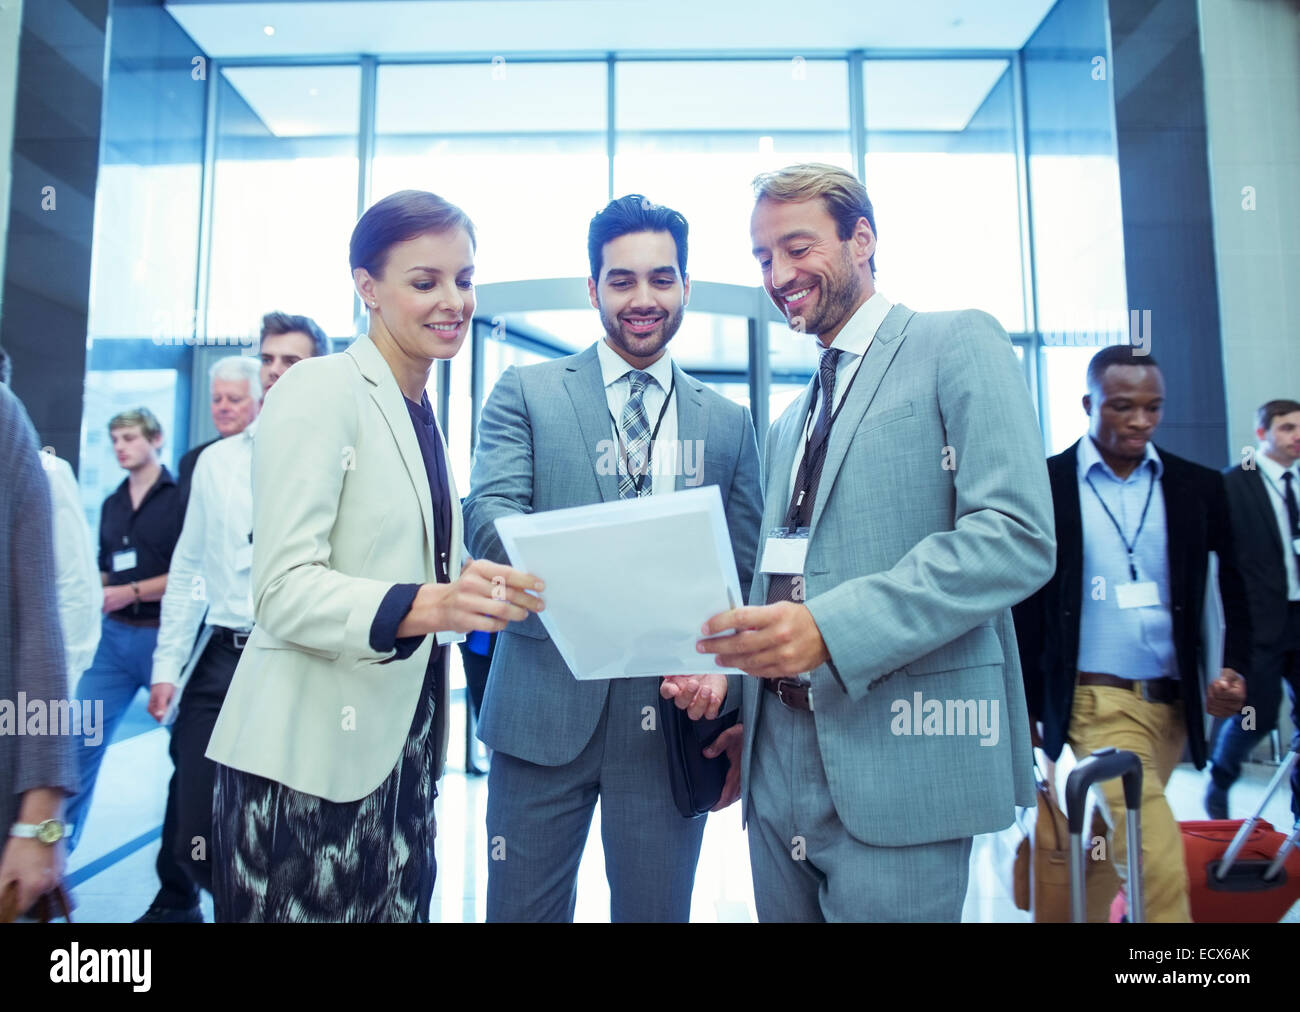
x: 539, y: 448
x: 31, y: 644
x: 932, y: 518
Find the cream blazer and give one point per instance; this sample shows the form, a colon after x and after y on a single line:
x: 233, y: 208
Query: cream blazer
x: 341, y: 512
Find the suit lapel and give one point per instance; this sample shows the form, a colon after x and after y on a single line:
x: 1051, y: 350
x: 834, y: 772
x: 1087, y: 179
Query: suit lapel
x: 1255, y: 482
x: 1177, y: 532
x: 586, y: 387
x: 1064, y: 480
x: 884, y: 346
x: 692, y: 423
x: 388, y: 398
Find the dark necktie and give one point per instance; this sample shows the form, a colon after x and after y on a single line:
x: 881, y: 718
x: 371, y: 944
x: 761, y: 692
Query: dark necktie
x: 803, y: 496
x: 635, y: 481
x: 1293, y: 516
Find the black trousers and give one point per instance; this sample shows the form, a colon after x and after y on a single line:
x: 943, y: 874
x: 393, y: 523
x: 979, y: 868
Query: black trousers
x: 187, y: 827
x: 1272, y: 667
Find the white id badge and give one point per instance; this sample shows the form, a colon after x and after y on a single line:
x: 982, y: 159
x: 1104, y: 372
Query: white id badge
x: 785, y: 551
x: 1137, y: 595
x: 125, y: 559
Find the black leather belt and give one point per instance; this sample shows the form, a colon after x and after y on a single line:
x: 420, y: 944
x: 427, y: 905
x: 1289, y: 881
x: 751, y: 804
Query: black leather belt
x: 796, y: 695
x: 233, y: 638
x: 1154, y: 690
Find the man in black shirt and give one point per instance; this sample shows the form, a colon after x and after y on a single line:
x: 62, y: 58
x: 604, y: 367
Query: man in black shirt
x: 138, y: 527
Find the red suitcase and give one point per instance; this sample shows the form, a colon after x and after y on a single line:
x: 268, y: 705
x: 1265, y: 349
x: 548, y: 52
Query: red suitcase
x: 1242, y: 869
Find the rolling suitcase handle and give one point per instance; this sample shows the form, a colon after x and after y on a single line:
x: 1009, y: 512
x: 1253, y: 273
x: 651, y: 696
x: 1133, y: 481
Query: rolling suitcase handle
x: 1247, y: 827
x: 1105, y: 764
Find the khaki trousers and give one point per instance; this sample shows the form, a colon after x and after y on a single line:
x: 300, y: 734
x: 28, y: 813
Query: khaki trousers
x: 1103, y: 717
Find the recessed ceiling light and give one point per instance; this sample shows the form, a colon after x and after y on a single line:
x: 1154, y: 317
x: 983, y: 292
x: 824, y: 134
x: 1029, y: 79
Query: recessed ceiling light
x: 268, y: 30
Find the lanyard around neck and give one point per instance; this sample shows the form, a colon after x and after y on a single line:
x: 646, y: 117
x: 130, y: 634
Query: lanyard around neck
x: 1130, y: 548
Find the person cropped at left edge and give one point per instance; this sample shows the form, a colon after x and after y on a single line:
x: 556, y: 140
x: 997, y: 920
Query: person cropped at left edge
x: 138, y: 527
x: 333, y: 731
x: 36, y: 770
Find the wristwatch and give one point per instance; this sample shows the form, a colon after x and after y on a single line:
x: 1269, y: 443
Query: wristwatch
x: 49, y: 832
x: 135, y: 589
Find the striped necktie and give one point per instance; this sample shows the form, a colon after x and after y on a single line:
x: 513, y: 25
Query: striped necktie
x: 634, y: 482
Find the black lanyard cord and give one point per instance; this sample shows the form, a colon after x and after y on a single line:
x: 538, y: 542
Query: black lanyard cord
x: 1130, y: 548
x: 806, y: 464
x: 638, y: 476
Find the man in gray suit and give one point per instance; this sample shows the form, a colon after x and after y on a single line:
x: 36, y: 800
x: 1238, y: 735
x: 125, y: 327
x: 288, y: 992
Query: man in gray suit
x: 907, y: 510
x: 545, y: 438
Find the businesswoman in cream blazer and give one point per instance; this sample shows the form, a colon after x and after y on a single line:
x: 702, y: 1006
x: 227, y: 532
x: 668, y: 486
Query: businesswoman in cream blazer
x: 333, y: 733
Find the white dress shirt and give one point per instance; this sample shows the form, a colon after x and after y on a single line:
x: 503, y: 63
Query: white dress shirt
x: 664, y: 452
x: 78, y: 587
x: 213, y: 560
x: 853, y: 341
x: 1271, y: 471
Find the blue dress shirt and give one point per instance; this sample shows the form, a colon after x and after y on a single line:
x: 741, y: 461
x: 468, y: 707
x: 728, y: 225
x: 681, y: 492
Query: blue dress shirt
x: 1127, y: 642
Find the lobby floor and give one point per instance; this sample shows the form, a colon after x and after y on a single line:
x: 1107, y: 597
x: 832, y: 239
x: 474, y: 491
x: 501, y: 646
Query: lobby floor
x: 113, y: 879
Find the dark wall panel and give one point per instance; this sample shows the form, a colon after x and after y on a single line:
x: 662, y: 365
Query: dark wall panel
x: 1168, y: 231
x: 47, y: 262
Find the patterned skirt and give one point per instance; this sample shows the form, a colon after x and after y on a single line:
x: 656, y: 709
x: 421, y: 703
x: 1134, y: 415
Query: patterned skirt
x: 282, y: 855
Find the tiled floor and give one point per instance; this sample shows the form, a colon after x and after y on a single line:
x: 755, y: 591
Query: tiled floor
x: 112, y: 871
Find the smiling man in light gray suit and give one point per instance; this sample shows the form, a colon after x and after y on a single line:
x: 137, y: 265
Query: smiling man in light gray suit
x: 907, y: 509
x: 546, y: 439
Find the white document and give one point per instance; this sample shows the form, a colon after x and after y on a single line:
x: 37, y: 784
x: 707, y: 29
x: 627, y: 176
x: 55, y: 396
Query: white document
x: 630, y: 583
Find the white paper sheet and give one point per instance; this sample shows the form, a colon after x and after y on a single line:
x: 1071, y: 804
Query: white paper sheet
x: 630, y: 583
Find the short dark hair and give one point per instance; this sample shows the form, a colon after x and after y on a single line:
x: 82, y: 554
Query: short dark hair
x: 398, y: 217
x: 1115, y: 354
x: 276, y: 323
x: 1271, y: 409
x: 6, y: 367
x: 846, y: 198
x: 634, y: 213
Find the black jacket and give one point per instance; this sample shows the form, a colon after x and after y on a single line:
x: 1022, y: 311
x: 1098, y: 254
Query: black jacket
x: 1047, y: 624
x: 1260, y: 555
x: 185, y: 472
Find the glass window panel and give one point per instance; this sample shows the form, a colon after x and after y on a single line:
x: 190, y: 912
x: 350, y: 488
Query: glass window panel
x: 284, y: 197
x: 941, y: 173
x: 459, y: 411
x: 738, y: 392
x: 782, y: 396
x: 699, y: 156
x: 144, y: 253
x: 792, y: 353
x: 570, y: 329
x: 522, y: 152
x: 712, y: 342
x: 1065, y: 375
